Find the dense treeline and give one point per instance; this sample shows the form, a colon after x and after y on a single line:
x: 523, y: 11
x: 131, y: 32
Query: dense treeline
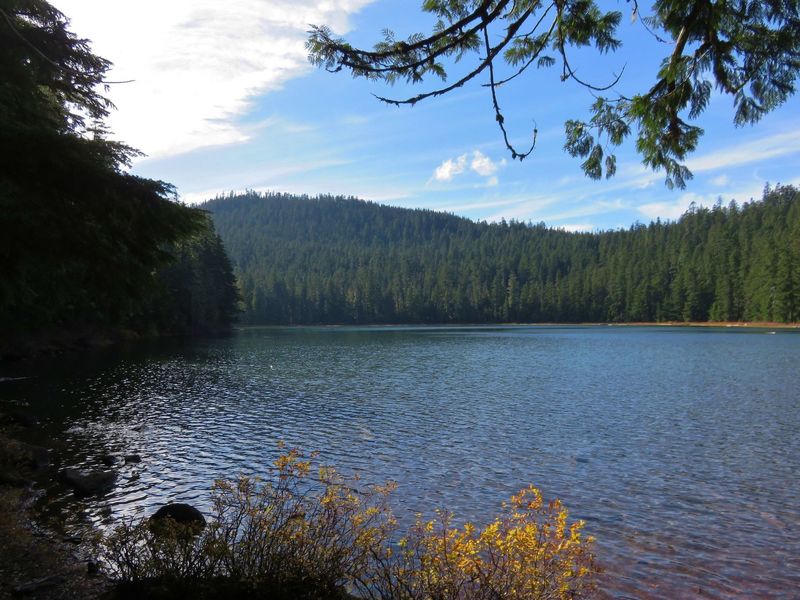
x: 197, y: 290
x: 81, y: 239
x: 342, y: 260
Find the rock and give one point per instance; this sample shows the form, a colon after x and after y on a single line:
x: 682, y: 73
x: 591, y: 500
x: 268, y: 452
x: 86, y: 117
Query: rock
x: 12, y: 479
x: 92, y: 568
x: 108, y: 460
x: 132, y: 458
x: 183, y: 514
x: 38, y: 457
x: 90, y: 483
x: 38, y: 585
x: 24, y: 418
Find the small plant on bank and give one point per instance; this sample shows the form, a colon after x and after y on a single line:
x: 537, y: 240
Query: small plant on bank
x: 308, y: 532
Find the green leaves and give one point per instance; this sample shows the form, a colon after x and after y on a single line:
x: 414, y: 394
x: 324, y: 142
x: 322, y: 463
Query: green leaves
x: 82, y: 237
x: 747, y: 49
x: 610, y: 124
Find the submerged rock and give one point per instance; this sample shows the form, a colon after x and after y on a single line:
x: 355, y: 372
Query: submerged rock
x: 13, y: 479
x: 183, y: 514
x: 132, y: 458
x: 90, y: 483
x: 108, y: 460
x: 37, y: 586
x: 38, y: 457
x: 23, y: 418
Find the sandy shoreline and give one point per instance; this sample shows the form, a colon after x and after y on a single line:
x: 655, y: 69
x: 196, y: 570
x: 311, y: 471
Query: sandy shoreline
x: 741, y: 324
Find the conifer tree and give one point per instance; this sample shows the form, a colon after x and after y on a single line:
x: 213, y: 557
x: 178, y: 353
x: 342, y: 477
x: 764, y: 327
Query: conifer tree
x: 746, y: 49
x: 80, y: 237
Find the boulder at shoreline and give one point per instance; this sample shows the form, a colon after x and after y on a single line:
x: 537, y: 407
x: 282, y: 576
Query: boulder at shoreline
x: 183, y: 514
x: 91, y: 483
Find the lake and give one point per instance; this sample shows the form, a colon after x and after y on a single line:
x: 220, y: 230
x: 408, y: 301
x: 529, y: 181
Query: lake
x: 679, y: 447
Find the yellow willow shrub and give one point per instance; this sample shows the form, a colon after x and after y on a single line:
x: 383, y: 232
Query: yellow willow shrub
x: 310, y: 531
x: 306, y: 524
x: 167, y: 551
x: 530, y: 552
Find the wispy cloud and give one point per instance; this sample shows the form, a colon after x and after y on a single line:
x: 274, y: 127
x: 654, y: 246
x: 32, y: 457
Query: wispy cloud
x: 675, y: 208
x: 577, y: 227
x: 201, y: 62
x: 670, y: 209
x: 525, y: 208
x: 273, y: 178
x: 468, y: 206
x: 355, y: 120
x: 585, y: 210
x: 720, y: 181
x: 281, y: 123
x: 753, y: 151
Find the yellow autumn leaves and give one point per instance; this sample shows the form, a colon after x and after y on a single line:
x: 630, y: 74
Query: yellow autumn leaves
x: 309, y: 526
x: 530, y: 552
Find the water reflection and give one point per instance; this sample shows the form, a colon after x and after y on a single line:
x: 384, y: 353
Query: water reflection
x: 678, y: 447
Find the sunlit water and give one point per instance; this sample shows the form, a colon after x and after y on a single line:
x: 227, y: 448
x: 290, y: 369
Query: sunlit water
x: 679, y: 447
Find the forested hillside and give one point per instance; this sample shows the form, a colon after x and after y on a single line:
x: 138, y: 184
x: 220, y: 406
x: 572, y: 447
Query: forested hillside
x: 342, y: 260
x: 87, y: 250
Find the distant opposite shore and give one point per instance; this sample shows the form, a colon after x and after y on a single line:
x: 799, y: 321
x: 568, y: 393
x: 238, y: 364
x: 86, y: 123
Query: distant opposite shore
x: 738, y: 324
x: 745, y: 324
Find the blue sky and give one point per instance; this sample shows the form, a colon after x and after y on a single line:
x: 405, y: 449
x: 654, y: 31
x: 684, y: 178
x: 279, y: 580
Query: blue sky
x: 223, y: 99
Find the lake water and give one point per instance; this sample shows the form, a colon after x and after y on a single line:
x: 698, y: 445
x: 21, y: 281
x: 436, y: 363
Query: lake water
x: 679, y: 447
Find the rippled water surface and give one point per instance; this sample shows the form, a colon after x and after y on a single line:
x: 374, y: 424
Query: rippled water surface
x: 679, y: 447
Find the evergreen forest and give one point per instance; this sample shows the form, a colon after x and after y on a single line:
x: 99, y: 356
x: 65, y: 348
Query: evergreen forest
x: 88, y: 250
x: 325, y: 260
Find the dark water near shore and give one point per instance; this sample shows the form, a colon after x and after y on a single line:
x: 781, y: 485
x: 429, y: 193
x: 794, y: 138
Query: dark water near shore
x: 679, y: 447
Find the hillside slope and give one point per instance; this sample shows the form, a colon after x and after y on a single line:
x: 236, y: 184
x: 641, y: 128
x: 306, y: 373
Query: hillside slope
x: 304, y: 260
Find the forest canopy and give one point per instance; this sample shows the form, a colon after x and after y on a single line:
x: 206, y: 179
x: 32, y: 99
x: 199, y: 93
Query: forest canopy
x: 328, y: 259
x: 748, y: 50
x: 81, y: 239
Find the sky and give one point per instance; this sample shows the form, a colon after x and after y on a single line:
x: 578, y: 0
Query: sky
x: 222, y: 98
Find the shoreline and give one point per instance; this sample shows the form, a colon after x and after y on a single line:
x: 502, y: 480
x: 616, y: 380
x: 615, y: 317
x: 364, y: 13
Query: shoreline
x: 726, y: 324
x: 37, y: 558
x: 701, y: 324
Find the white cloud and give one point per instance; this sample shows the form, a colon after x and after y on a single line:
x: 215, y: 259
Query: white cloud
x: 526, y: 208
x: 479, y: 163
x: 275, y: 177
x: 483, y: 165
x: 749, y: 152
x: 468, y: 206
x: 670, y: 210
x: 721, y: 180
x: 374, y: 194
x: 197, y: 65
x: 585, y: 210
x: 673, y: 210
x: 577, y: 227
x: 355, y: 120
x: 450, y: 168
